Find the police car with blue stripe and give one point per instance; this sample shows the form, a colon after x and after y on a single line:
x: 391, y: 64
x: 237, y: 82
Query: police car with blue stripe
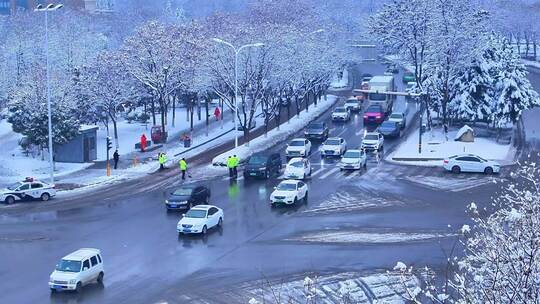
x: 29, y: 189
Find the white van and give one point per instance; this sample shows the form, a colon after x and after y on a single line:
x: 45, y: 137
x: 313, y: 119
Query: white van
x: 382, y: 84
x: 77, y: 269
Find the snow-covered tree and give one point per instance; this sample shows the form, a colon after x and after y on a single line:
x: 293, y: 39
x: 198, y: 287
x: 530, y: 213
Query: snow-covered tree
x: 513, y: 90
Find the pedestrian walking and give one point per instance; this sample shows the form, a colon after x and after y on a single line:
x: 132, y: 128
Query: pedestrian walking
x: 183, y: 167
x: 162, y: 158
x: 230, y: 165
x: 116, y: 158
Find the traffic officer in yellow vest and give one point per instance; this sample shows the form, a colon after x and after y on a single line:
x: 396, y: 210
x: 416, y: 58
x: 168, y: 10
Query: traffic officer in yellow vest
x: 183, y: 167
x: 162, y: 158
x: 230, y: 165
x: 236, y: 162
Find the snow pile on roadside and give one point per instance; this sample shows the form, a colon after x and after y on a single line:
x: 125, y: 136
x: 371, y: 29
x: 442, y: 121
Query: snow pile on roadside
x: 350, y: 287
x: 275, y: 136
x: 364, y: 237
x: 338, y: 83
x: 435, y: 148
x: 530, y: 63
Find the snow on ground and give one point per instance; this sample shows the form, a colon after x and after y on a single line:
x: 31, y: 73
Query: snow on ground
x: 349, y: 287
x: 343, y: 201
x: 531, y: 63
x: 275, y: 136
x: 338, y: 83
x: 367, y: 237
x: 435, y: 148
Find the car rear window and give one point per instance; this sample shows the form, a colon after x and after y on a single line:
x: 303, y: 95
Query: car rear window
x: 374, y: 109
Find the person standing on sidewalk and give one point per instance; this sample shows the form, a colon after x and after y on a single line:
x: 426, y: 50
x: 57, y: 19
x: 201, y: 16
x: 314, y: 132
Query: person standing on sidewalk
x: 162, y: 158
x: 183, y: 167
x: 230, y: 165
x: 116, y: 158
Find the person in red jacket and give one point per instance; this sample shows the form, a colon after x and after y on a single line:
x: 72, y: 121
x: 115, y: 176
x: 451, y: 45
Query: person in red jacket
x: 143, y: 142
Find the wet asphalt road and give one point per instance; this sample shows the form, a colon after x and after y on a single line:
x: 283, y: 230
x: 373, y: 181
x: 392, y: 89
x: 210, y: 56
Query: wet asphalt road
x: 146, y: 261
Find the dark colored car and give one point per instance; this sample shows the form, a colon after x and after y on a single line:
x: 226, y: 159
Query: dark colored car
x: 317, y: 130
x: 390, y: 129
x: 374, y: 114
x: 187, y: 196
x: 263, y: 165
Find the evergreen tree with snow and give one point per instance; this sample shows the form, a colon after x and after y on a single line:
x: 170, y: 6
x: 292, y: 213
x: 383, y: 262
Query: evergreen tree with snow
x: 513, y: 90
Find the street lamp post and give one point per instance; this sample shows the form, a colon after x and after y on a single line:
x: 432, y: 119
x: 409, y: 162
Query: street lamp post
x: 49, y: 8
x: 236, y: 52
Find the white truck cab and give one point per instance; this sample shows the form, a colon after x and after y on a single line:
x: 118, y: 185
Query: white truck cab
x: 381, y: 85
x: 77, y: 269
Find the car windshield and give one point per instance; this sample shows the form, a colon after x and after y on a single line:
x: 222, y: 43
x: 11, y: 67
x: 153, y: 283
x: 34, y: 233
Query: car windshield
x: 388, y: 124
x: 332, y: 142
x: 373, y: 109
x: 484, y: 160
x: 297, y: 164
x: 297, y: 143
x: 315, y: 126
x: 183, y: 191
x: 286, y: 187
x: 257, y: 160
x: 196, y: 213
x: 371, y: 137
x: 352, y: 154
x: 377, y: 96
x: 69, y: 266
x: 340, y: 110
x: 14, y: 186
x: 352, y: 101
x: 398, y: 116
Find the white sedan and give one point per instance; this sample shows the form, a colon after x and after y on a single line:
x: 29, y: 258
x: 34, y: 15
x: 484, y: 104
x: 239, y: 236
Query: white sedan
x: 298, y: 147
x: 334, y: 146
x: 298, y: 168
x: 353, y: 160
x: 341, y: 114
x: 289, y: 192
x: 199, y: 219
x: 470, y: 163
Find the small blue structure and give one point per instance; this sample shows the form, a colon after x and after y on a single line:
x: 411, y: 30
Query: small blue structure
x: 81, y: 149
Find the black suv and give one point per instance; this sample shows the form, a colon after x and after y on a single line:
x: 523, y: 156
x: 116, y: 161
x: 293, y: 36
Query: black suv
x: 316, y: 130
x: 187, y: 196
x: 262, y: 165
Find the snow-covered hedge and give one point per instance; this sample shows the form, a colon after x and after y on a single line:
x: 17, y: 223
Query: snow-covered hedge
x: 275, y: 136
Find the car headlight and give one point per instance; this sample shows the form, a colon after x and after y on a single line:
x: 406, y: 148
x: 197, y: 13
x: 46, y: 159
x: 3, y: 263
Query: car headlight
x: 166, y: 201
x: 73, y: 281
x: 262, y: 169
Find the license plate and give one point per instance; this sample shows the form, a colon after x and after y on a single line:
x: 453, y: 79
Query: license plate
x: 279, y: 201
x: 187, y: 230
x: 173, y: 206
x: 57, y: 286
x: 253, y: 174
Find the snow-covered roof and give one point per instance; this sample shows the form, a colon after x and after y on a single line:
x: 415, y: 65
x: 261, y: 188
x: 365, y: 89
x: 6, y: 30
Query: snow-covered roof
x: 463, y: 130
x: 84, y: 128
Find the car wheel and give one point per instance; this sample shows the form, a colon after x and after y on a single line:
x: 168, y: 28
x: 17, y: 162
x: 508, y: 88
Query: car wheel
x: 295, y: 201
x: 78, y: 288
x: 45, y: 197
x: 306, y: 198
x: 304, y: 176
x: 488, y: 170
x: 220, y: 222
x: 53, y: 290
x: 456, y: 169
x: 100, y: 278
x: 365, y: 165
x: 10, y: 200
x: 204, y: 230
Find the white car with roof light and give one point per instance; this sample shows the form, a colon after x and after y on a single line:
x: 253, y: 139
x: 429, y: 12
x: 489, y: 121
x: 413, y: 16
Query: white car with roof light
x: 373, y: 141
x: 341, y: 114
x: 353, y: 160
x: 29, y: 189
x: 77, y: 269
x: 298, y: 147
x: 470, y: 163
x: 289, y: 192
x: 298, y: 168
x: 334, y: 146
x: 200, y: 219
x: 352, y: 105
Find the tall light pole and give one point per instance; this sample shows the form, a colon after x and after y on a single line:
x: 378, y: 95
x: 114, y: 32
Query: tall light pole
x: 236, y: 52
x: 46, y: 9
